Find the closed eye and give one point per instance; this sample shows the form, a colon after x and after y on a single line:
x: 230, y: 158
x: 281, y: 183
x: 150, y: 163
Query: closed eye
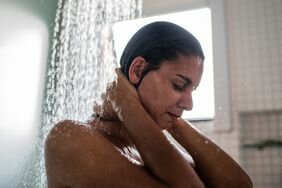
x: 186, y: 80
x: 178, y: 87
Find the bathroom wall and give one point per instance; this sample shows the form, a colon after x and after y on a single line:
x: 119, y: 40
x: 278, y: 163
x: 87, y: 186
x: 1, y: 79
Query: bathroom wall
x: 26, y: 31
x: 254, y: 32
x: 254, y: 47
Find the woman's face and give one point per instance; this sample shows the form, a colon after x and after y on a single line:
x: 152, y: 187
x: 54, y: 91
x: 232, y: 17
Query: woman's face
x: 167, y: 92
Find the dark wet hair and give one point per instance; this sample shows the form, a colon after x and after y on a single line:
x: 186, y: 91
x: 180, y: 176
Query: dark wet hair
x: 159, y: 41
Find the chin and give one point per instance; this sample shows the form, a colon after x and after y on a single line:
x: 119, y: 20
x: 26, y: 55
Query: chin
x: 165, y: 125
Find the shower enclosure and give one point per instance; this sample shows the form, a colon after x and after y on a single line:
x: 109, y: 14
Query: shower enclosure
x: 56, y: 60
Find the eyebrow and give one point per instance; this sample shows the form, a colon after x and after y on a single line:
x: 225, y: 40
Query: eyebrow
x: 187, y: 80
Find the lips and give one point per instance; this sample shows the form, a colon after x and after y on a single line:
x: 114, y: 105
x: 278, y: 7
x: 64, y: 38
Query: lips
x: 174, y: 116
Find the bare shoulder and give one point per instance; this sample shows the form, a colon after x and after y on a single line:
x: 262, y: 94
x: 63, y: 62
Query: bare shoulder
x: 68, y: 135
x: 77, y: 155
x: 68, y: 128
x: 66, y: 143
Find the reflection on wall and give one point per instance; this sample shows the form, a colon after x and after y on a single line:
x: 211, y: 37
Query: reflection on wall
x: 23, y: 44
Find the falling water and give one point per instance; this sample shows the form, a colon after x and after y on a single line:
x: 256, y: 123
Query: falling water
x: 82, y: 63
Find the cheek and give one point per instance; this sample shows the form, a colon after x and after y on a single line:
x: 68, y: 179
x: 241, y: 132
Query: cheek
x: 150, y: 97
x: 156, y: 96
x: 150, y: 93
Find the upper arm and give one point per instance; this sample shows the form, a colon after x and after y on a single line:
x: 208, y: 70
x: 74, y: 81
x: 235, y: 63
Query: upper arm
x: 79, y: 157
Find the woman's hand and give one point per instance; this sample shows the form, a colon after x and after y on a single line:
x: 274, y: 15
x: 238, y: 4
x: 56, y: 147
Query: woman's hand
x: 123, y: 92
x: 176, y: 129
x: 215, y: 167
x: 160, y: 158
x: 119, y: 95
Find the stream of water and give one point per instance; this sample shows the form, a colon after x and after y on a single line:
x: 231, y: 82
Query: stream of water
x: 82, y: 63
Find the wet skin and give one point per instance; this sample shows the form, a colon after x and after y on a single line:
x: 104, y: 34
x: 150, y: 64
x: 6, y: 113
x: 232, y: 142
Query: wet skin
x: 127, y: 140
x: 166, y: 92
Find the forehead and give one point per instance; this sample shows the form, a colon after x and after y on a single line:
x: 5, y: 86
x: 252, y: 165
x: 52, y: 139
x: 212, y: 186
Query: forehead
x: 185, y: 65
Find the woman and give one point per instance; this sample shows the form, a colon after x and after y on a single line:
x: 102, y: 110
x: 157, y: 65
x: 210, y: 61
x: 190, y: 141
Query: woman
x: 124, y: 146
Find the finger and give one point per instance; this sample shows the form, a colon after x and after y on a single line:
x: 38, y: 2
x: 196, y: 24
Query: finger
x: 118, y: 71
x: 178, y: 123
x: 181, y: 122
x: 170, y: 129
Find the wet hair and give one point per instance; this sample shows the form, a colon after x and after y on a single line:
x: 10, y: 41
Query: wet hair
x: 157, y: 42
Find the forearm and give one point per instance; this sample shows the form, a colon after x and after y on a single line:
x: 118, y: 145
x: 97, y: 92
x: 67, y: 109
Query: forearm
x: 215, y: 167
x: 156, y: 151
x: 159, y: 156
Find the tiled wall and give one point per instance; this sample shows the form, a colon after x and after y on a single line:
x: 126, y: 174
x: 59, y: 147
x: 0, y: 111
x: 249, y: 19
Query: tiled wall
x: 254, y: 41
x: 255, y: 45
x: 261, y: 147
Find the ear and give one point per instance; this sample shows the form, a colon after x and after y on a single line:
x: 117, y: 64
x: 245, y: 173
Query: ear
x: 136, y: 68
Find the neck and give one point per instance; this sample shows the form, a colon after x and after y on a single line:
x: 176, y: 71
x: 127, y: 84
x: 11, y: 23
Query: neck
x: 105, y: 117
x: 111, y: 126
x: 105, y: 112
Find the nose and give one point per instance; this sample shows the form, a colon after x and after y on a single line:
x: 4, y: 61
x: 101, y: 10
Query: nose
x: 186, y: 101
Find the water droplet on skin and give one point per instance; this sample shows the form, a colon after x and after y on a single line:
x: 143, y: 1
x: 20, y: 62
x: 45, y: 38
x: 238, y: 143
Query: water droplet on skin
x: 56, y: 129
x: 206, y: 142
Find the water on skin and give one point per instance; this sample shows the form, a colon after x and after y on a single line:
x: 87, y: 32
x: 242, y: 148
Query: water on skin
x: 82, y: 63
